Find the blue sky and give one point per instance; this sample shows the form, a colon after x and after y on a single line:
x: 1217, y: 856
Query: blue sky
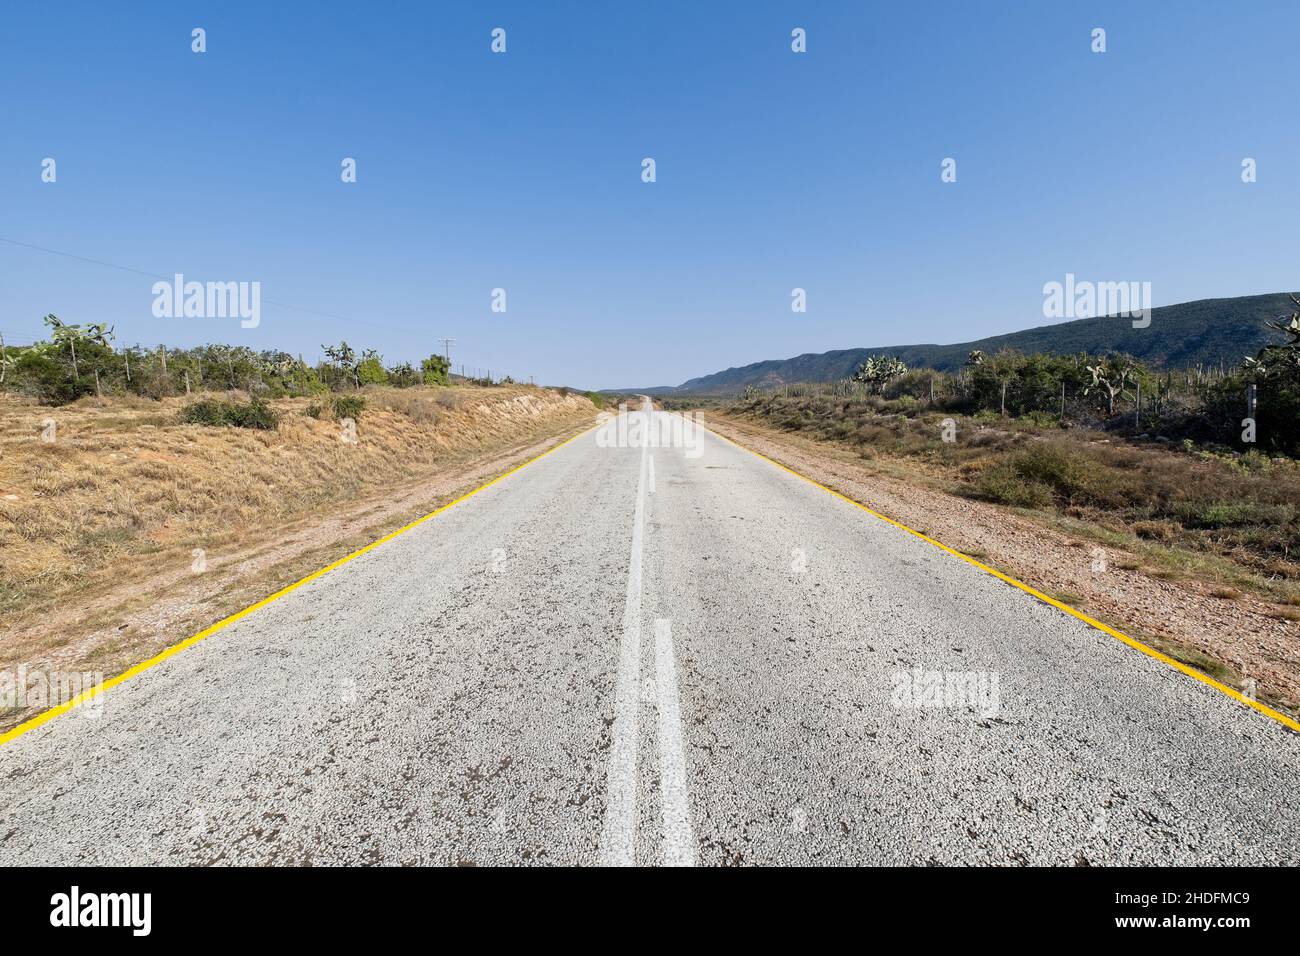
x: 523, y: 171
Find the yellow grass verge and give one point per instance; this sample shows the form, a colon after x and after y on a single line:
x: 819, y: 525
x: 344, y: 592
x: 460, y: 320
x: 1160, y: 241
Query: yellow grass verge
x: 125, y: 493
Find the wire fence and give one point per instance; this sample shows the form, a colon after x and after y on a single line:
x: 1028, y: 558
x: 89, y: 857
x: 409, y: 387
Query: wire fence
x: 17, y: 338
x: 476, y: 374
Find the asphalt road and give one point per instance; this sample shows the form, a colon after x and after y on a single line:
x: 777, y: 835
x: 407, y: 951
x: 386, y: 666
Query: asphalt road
x: 630, y: 654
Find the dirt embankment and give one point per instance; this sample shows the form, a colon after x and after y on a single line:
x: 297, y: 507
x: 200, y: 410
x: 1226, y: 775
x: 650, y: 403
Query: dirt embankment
x: 123, y: 531
x: 1239, y: 638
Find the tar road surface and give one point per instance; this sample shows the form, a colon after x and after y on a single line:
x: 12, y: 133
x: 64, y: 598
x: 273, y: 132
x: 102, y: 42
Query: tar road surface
x: 655, y: 655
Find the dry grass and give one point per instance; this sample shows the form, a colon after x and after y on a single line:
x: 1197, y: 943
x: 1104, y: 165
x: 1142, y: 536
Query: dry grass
x: 1237, y: 519
x: 125, y: 489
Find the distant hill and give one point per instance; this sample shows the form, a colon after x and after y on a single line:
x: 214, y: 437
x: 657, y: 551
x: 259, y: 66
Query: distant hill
x: 1207, y: 331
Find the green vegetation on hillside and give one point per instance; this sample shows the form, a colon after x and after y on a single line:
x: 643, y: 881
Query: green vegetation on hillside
x: 1208, y: 333
x: 1254, y: 405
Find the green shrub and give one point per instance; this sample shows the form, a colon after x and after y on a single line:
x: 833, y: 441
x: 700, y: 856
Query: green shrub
x: 42, y: 372
x: 212, y: 412
x: 1004, y: 484
x: 371, y: 371
x: 597, y: 400
x: 1050, y: 466
x: 1043, y: 419
x: 314, y: 410
x: 1224, y: 514
x: 254, y: 414
x: 206, y: 412
x: 403, y: 375
x: 349, y: 406
x: 434, y: 369
x: 1083, y: 479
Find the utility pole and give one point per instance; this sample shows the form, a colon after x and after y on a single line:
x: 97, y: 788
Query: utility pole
x: 446, y: 349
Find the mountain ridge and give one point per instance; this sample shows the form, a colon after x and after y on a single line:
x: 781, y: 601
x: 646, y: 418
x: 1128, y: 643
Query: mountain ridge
x: 1200, y: 332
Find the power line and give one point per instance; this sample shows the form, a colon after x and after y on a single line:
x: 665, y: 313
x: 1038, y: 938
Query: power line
x: 155, y: 275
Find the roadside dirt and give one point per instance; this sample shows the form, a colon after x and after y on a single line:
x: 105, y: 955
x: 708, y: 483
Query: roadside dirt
x: 130, y: 607
x: 1235, y: 639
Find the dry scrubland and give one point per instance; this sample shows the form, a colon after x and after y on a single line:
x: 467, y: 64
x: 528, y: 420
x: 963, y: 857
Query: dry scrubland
x: 1237, y: 516
x: 125, y: 492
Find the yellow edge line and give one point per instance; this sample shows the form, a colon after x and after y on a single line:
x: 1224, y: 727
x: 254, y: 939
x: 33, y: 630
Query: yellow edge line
x: 143, y: 666
x: 1130, y: 641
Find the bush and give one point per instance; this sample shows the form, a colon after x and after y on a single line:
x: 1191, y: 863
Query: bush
x: 42, y: 373
x: 314, y: 410
x: 371, y: 371
x: 1043, y: 419
x: 914, y: 384
x: 252, y: 414
x: 1004, y: 484
x: 1225, y: 514
x: 597, y: 400
x: 1042, y: 472
x: 1050, y: 466
x: 403, y: 376
x: 435, y: 370
x: 349, y: 406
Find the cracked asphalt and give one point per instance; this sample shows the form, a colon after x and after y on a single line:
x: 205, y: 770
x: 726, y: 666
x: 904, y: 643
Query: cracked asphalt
x: 826, y: 689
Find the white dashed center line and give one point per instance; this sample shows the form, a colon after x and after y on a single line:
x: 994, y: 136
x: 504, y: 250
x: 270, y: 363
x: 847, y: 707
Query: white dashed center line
x: 618, y: 837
